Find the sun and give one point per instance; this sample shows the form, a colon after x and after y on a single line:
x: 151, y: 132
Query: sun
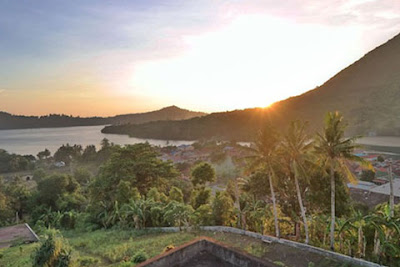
x: 253, y: 62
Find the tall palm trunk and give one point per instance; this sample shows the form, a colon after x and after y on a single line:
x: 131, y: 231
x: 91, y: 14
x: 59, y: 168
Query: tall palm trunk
x: 274, y: 205
x: 360, y: 241
x: 303, y: 212
x: 377, y: 243
x: 237, y: 203
x: 332, y: 233
x: 391, y: 198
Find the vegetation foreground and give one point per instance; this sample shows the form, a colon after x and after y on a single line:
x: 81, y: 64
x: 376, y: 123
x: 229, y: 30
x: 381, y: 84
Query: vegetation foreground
x: 123, y: 247
x: 288, y: 184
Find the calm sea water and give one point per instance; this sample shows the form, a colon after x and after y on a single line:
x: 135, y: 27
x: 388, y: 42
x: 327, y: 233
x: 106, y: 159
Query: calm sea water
x: 31, y: 141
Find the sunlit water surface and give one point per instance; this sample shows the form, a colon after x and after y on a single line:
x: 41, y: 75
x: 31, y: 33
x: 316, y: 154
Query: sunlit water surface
x: 31, y: 141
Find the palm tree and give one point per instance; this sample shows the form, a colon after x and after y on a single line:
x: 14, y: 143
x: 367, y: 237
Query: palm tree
x: 178, y: 214
x: 334, y: 150
x: 355, y: 226
x: 387, y: 232
x: 257, y: 212
x: 391, y: 198
x: 138, y: 211
x: 296, y: 146
x: 265, y: 155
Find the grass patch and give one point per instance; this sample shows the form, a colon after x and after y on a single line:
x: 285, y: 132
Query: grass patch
x: 18, y: 256
x: 124, y: 247
x: 116, y: 246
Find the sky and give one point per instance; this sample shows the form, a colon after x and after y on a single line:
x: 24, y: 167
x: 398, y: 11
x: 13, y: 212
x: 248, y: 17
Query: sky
x: 89, y: 58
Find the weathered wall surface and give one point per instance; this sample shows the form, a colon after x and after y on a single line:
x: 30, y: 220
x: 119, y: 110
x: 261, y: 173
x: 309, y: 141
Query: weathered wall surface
x: 302, y: 246
x: 224, y: 255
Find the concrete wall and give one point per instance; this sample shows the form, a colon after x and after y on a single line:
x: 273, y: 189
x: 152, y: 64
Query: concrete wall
x: 180, y: 255
x: 234, y: 257
x: 175, y: 257
x: 326, y: 253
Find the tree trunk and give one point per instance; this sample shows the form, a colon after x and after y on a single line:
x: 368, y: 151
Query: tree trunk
x: 274, y: 206
x: 237, y: 202
x: 332, y: 233
x: 377, y: 243
x: 360, y: 242
x: 303, y: 212
x: 297, y: 231
x: 391, y: 199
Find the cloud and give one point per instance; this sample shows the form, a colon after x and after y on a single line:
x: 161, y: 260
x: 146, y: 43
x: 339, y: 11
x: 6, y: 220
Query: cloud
x: 60, y: 48
x: 372, y: 14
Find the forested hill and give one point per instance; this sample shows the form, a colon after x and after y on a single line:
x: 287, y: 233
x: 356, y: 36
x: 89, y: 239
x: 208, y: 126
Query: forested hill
x: 238, y: 125
x: 168, y: 113
x: 8, y: 121
x: 367, y: 93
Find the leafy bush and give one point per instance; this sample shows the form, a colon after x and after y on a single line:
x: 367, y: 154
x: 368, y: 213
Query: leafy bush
x: 88, y: 261
x: 53, y: 251
x: 140, y: 256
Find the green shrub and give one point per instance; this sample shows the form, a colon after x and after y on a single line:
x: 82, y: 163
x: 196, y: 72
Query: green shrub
x: 140, y: 256
x: 53, y: 251
x: 68, y: 220
x: 88, y: 261
x: 82, y: 244
x: 279, y: 263
x: 64, y: 259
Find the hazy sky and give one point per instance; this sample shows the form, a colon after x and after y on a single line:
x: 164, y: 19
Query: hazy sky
x: 110, y: 57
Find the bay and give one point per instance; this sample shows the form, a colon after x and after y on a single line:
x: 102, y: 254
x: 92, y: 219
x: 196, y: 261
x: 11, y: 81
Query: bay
x: 31, y: 141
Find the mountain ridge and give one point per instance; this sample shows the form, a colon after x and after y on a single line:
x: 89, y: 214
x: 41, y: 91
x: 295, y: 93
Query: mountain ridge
x: 366, y: 92
x: 10, y: 121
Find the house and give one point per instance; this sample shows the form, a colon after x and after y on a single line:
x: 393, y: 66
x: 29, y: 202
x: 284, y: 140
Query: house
x: 59, y: 164
x: 380, y: 181
x: 371, y: 157
x: 362, y: 185
x: 11, y: 235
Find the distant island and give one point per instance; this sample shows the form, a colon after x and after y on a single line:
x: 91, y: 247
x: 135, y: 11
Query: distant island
x: 9, y: 121
x: 366, y: 92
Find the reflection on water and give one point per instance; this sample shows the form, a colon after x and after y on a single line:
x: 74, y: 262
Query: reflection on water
x: 31, y: 141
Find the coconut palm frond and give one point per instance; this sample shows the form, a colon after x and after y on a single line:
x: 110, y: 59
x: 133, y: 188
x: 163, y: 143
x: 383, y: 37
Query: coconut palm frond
x: 347, y: 173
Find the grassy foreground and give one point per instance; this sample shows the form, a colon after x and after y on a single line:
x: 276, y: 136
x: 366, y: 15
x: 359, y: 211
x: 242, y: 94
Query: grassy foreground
x: 116, y: 248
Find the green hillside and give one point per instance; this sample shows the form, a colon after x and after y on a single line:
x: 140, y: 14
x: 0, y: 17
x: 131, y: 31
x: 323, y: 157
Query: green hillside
x: 367, y: 93
x: 168, y: 113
